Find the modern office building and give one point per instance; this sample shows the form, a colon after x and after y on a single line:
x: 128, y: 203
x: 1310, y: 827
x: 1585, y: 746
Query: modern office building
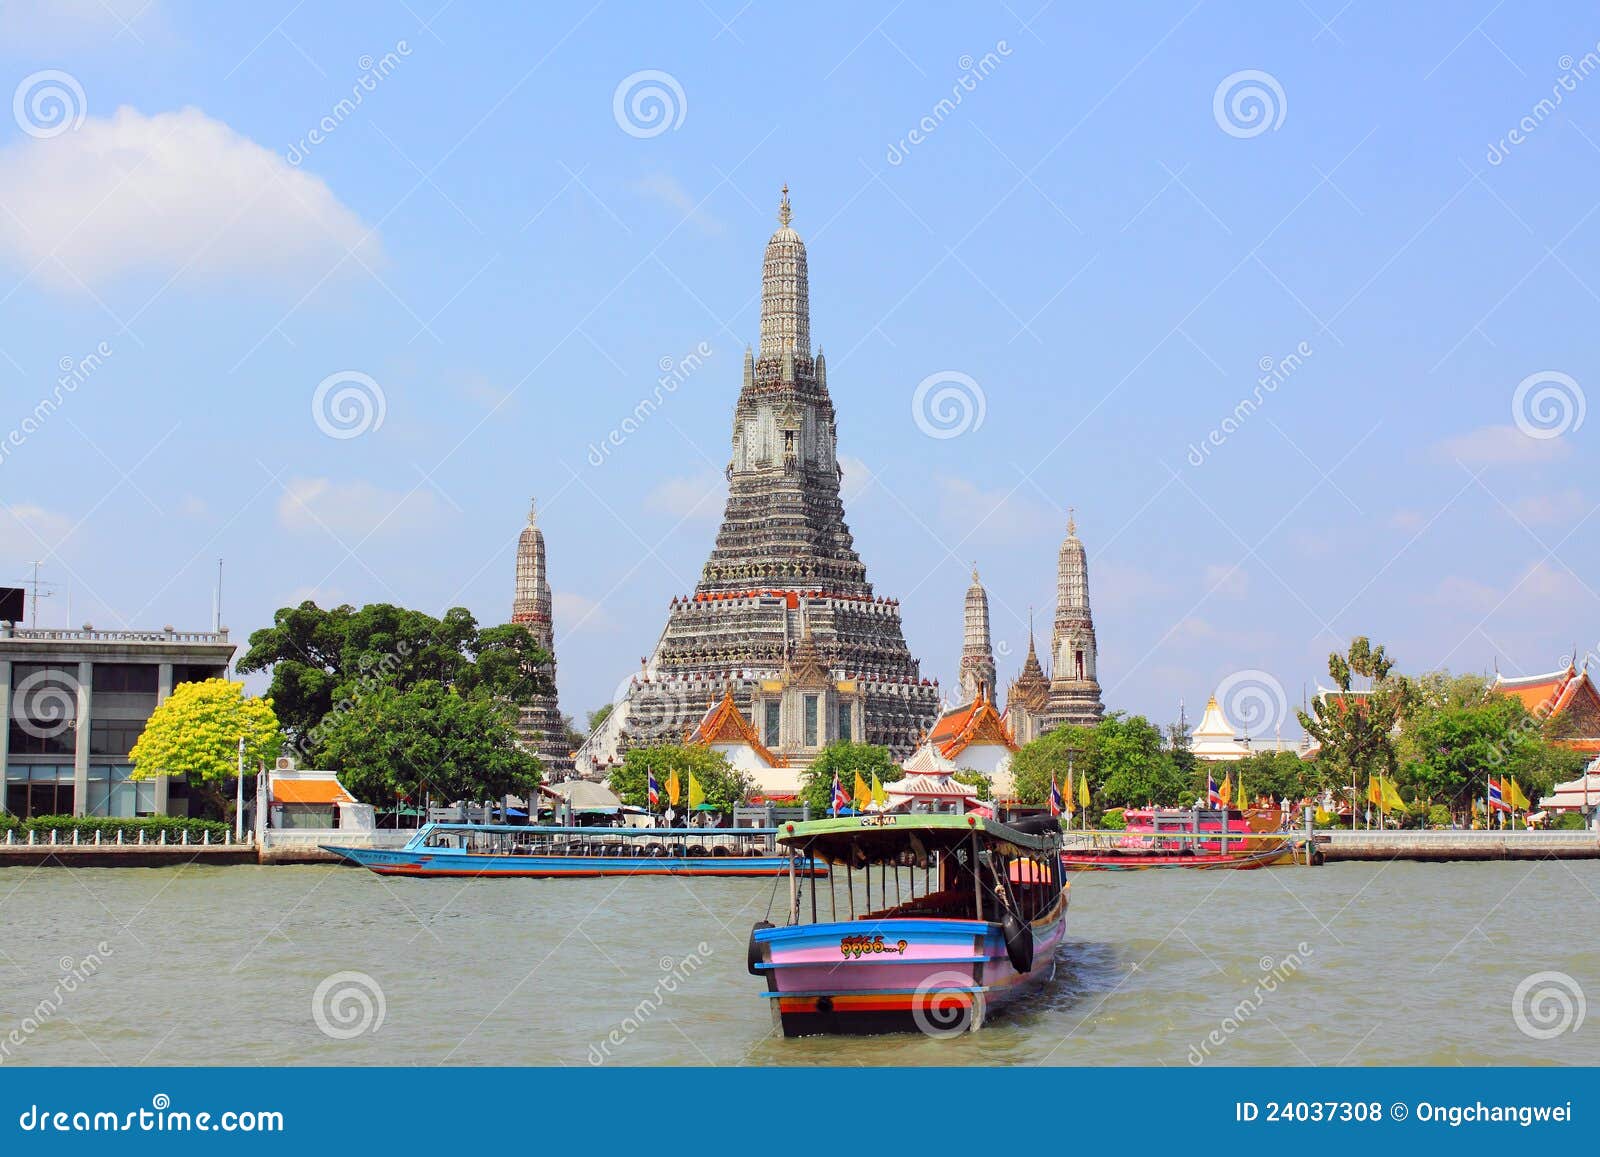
x: 75, y: 702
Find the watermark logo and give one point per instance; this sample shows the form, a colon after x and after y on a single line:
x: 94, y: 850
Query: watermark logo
x: 674, y: 975
x: 1273, y: 974
x: 348, y: 404
x: 1548, y: 1004
x: 948, y: 404
x: 1548, y: 404
x: 49, y: 103
x: 1274, y: 372
x: 1254, y: 701
x: 648, y: 103
x: 942, y: 1006
x: 1249, y: 102
x: 47, y: 703
x: 373, y: 73
x: 660, y: 708
x: 74, y: 373
x: 74, y: 975
x: 674, y: 372
x: 348, y: 1004
x: 973, y: 72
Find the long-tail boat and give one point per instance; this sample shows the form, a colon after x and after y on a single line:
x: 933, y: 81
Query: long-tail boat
x: 925, y: 922
x: 1194, y: 838
x: 508, y: 850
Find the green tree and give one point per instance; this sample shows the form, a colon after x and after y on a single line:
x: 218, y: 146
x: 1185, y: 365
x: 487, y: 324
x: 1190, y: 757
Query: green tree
x: 1122, y: 755
x: 195, y: 733
x: 1355, y: 726
x: 1132, y: 767
x: 976, y: 779
x: 1279, y: 774
x: 725, y: 786
x: 322, y: 661
x: 428, y: 739
x: 848, y: 759
x: 599, y: 715
x: 1050, y: 755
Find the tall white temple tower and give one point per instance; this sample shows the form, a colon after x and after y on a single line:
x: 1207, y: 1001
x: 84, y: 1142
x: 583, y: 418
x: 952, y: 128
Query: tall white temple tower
x: 539, y: 722
x: 977, y: 649
x: 1074, y: 686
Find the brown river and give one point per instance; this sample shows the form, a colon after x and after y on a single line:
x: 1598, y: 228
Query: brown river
x: 1354, y: 964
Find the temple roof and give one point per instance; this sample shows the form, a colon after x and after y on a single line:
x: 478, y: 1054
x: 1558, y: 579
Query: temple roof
x: 1215, y: 738
x: 725, y: 723
x: 933, y: 782
x: 974, y: 722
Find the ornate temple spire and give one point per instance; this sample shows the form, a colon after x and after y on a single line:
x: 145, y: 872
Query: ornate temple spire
x: 540, y: 727
x: 531, y: 602
x: 977, y: 652
x: 785, y: 291
x: 1075, y: 689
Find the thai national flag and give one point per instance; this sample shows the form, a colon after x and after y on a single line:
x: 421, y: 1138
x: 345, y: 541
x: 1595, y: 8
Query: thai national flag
x: 1057, y: 805
x: 653, y: 788
x: 1213, y: 796
x: 1497, y: 802
x: 841, y: 798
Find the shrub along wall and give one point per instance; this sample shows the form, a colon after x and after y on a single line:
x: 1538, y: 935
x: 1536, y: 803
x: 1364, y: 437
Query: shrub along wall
x: 152, y: 827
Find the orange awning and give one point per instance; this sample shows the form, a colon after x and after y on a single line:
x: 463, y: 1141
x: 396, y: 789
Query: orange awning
x: 324, y: 791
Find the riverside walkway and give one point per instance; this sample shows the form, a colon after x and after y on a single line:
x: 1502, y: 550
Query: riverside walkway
x: 1458, y: 845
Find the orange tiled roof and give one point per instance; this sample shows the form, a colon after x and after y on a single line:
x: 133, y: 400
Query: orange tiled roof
x: 315, y: 791
x: 725, y: 723
x: 975, y: 722
x: 1555, y: 694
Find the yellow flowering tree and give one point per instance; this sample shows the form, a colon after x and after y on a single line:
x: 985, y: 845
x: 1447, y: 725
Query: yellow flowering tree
x: 196, y: 733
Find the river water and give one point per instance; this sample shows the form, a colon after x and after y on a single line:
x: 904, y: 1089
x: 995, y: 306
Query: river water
x: 1361, y: 964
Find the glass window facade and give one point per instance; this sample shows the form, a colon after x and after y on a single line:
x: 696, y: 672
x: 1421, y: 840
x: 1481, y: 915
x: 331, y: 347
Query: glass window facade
x: 844, y: 724
x: 811, y: 721
x: 39, y: 790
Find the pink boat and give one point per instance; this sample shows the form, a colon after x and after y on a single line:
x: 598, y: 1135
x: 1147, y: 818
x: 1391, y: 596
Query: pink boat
x: 924, y: 922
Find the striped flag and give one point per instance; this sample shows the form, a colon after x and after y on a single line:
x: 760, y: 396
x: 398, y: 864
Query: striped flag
x: 841, y: 798
x: 1057, y: 806
x: 1497, y: 801
x: 653, y: 789
x: 1213, y: 796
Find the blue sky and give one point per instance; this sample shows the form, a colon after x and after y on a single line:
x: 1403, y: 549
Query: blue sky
x: 1107, y: 253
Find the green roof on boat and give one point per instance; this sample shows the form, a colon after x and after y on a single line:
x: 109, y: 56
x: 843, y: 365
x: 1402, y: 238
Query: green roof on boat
x: 871, y: 838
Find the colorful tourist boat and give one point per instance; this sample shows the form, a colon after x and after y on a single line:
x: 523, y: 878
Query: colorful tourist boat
x: 506, y: 850
x: 1194, y: 838
x: 927, y: 922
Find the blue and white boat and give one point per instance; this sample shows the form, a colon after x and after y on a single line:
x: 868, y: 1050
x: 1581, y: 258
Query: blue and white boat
x: 444, y: 849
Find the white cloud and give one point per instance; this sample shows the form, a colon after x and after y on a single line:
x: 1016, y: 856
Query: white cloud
x: 1121, y: 586
x: 667, y: 190
x: 698, y: 496
x: 1408, y: 520
x: 50, y: 25
x: 579, y: 614
x: 1455, y: 591
x: 1498, y: 446
x: 1228, y: 582
x: 28, y: 532
x: 1545, y: 508
x: 161, y: 194
x: 353, y: 510
x: 968, y: 512
x: 858, y: 480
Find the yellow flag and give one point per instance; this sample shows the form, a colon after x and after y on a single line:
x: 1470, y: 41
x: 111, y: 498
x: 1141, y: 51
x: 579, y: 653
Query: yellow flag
x: 673, y: 787
x: 1083, y: 792
x: 863, y: 795
x: 1391, y: 796
x: 1068, y: 800
x: 1322, y: 815
x: 1516, y: 798
x: 879, y: 796
x: 697, y: 795
x: 1225, y: 793
x: 1375, y: 790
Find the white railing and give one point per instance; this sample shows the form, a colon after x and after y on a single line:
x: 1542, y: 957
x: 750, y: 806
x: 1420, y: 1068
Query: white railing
x: 90, y: 635
x: 344, y: 837
x: 1464, y: 837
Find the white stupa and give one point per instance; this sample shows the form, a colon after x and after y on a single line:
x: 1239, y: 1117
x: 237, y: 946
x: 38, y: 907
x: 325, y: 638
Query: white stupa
x: 1215, y: 739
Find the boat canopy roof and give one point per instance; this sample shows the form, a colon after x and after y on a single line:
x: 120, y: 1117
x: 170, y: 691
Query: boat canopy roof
x: 876, y: 839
